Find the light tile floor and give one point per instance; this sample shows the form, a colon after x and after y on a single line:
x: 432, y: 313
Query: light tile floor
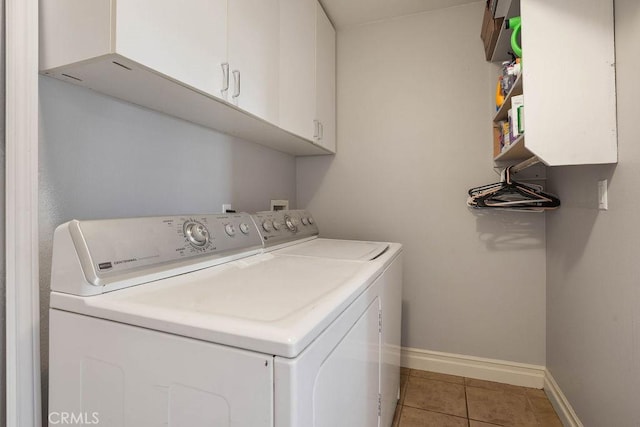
x: 430, y: 399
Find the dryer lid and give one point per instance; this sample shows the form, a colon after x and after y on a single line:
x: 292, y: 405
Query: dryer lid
x: 337, y: 249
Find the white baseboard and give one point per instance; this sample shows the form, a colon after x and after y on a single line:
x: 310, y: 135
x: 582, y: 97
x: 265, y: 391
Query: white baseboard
x: 501, y: 371
x: 559, y: 401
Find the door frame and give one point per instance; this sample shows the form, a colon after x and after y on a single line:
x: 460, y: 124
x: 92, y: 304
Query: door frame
x: 23, y: 387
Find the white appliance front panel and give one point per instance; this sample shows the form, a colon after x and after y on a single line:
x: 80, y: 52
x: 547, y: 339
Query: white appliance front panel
x: 123, y: 375
x: 391, y: 284
x: 337, y: 249
x: 347, y: 384
x: 336, y: 380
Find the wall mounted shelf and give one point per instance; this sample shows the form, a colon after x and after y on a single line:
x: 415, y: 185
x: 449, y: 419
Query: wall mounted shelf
x: 569, y: 94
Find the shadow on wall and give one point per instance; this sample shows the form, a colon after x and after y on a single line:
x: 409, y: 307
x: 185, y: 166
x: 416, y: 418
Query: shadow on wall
x: 575, y: 185
x: 308, y: 184
x: 508, y: 231
x: 512, y: 231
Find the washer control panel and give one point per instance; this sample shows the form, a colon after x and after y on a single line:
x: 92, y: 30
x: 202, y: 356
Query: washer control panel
x: 111, y: 249
x: 278, y: 227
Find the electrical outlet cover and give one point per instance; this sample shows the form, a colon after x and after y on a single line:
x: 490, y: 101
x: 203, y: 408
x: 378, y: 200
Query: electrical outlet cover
x: 603, y: 202
x: 279, y: 205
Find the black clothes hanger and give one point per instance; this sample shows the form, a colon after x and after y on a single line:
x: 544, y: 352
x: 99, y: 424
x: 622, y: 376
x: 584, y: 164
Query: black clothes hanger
x: 512, y: 195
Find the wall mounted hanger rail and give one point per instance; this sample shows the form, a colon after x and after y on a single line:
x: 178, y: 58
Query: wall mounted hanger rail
x: 511, y: 195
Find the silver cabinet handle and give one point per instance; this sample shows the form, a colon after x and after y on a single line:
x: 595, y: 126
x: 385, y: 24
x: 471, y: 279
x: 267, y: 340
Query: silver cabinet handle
x: 316, y: 129
x: 236, y: 80
x: 225, y: 76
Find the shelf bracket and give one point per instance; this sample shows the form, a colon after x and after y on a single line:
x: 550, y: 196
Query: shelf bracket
x: 534, y: 160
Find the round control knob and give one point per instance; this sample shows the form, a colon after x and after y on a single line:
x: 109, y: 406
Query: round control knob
x: 305, y: 221
x: 267, y: 225
x: 276, y: 225
x: 196, y: 233
x: 291, y: 224
x: 311, y: 221
x: 244, y: 228
x: 230, y: 230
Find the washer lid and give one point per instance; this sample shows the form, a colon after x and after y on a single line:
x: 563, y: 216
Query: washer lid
x: 270, y: 304
x: 337, y: 249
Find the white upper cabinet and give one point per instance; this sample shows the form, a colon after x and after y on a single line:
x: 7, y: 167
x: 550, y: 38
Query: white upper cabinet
x: 253, y: 38
x: 184, y: 40
x: 298, y: 67
x: 569, y: 81
x: 74, y: 30
x: 217, y: 63
x: 308, y: 72
x: 325, y: 81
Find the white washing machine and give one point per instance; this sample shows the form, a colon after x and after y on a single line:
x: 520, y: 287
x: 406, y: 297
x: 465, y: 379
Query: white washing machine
x: 295, y: 233
x: 186, y: 321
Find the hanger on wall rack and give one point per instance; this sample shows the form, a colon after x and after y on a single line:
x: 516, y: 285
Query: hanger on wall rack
x: 511, y: 195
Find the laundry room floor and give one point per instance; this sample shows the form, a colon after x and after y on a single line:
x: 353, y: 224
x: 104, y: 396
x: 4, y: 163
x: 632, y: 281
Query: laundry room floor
x: 431, y: 399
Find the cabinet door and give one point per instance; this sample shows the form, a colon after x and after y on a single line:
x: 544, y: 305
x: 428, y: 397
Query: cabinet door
x: 185, y: 40
x: 254, y: 56
x: 326, y: 79
x: 298, y: 66
x: 570, y: 117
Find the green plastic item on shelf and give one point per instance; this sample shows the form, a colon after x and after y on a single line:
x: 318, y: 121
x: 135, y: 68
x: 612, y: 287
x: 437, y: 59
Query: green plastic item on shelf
x: 515, y: 24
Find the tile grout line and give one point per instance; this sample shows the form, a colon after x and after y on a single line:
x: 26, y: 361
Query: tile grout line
x: 434, y: 411
x: 533, y: 410
x: 535, y: 417
x: 466, y: 401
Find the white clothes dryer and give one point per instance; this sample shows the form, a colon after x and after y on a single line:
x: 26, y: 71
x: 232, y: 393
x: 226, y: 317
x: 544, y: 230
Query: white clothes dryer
x: 186, y: 321
x: 295, y: 233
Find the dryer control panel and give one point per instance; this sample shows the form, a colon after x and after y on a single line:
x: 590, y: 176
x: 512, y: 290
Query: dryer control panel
x: 281, y: 227
x: 128, y: 251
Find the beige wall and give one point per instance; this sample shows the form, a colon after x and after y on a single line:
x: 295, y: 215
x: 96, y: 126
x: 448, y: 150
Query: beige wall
x: 414, y: 112
x: 593, y: 259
